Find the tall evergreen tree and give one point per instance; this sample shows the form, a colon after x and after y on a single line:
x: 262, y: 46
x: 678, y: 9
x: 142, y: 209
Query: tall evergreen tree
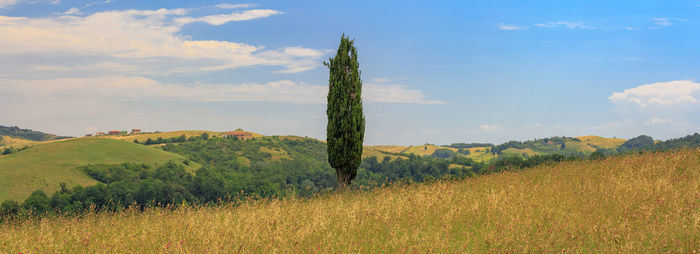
x: 346, y: 123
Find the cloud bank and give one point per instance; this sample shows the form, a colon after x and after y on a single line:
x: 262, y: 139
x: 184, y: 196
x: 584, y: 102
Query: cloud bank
x: 661, y: 94
x: 140, y: 41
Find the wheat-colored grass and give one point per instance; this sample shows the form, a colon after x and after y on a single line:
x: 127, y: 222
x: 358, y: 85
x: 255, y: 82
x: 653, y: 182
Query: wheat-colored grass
x: 632, y: 204
x: 601, y: 142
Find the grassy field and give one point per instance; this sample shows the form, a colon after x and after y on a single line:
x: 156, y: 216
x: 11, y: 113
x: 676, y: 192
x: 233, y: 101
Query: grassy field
x: 518, y: 152
x: 601, y: 142
x: 44, y: 166
x: 168, y: 134
x: 632, y: 204
x: 389, y: 148
x: 425, y: 150
x: 7, y: 141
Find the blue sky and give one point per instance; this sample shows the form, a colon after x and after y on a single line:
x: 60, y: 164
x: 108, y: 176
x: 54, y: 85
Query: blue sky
x: 435, y: 72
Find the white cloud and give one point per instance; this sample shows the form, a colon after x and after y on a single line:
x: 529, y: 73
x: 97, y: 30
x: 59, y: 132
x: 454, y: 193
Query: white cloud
x: 661, y: 21
x: 234, y: 6
x: 567, y: 24
x: 146, y: 42
x: 380, y: 80
x: 629, y: 28
x: 225, y: 18
x: 73, y: 11
x: 491, y: 128
x: 681, y: 92
x: 395, y: 94
x: 7, y: 3
x: 658, y: 120
x: 665, y: 22
x: 509, y: 27
x: 121, y: 88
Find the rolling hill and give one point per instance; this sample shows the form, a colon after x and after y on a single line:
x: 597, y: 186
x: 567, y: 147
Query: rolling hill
x: 640, y: 203
x: 44, y: 166
x: 169, y: 134
x: 27, y: 134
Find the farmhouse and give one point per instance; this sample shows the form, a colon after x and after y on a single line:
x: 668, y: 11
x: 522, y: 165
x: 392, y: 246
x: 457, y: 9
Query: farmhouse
x: 135, y: 131
x: 114, y: 132
x: 88, y: 135
x: 99, y: 133
x: 241, y: 135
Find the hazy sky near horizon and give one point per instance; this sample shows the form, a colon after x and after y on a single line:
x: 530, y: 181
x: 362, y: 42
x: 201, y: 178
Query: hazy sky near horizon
x: 434, y: 71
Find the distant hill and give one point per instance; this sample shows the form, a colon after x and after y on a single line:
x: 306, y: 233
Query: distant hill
x: 44, y: 166
x: 27, y: 134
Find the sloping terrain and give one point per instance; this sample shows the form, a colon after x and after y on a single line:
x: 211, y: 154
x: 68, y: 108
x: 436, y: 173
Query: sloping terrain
x: 644, y: 203
x: 27, y: 134
x: 601, y: 142
x: 44, y: 166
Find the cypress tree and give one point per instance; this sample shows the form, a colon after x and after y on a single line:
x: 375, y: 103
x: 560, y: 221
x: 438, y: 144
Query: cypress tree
x: 346, y: 123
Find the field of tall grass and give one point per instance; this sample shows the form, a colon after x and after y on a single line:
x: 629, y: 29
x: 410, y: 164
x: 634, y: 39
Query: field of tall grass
x: 632, y: 204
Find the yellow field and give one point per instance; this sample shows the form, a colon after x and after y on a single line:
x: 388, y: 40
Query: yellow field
x: 390, y: 149
x: 168, y: 134
x: 632, y: 204
x: 512, y: 151
x: 580, y: 146
x: 277, y: 154
x: 371, y: 151
x: 425, y: 150
x: 480, y: 154
x: 16, y: 142
x: 601, y: 142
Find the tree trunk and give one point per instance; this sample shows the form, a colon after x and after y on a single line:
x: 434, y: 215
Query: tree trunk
x: 343, y: 178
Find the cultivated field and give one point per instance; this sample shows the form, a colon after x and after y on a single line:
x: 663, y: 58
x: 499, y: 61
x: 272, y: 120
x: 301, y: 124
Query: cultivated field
x: 632, y: 204
x: 601, y: 142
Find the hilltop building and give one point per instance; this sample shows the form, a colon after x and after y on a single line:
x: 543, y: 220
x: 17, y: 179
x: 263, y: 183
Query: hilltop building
x: 135, y: 131
x: 115, y: 132
x: 240, y: 135
x: 99, y: 133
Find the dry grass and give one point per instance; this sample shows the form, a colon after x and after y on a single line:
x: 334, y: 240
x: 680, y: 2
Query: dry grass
x: 388, y: 148
x: 16, y: 142
x: 632, y: 204
x: 601, y: 142
x: 425, y: 150
x: 166, y: 135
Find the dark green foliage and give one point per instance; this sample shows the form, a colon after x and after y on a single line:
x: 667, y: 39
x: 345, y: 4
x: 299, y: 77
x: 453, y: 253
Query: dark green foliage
x: 38, y: 202
x: 304, y: 159
x: 11, y: 149
x: 414, y: 168
x: 640, y: 143
x: 28, y: 134
x: 597, y: 155
x: 689, y: 141
x: 553, y: 145
x: 9, y: 208
x: 444, y: 153
x: 518, y: 163
x: 346, y: 122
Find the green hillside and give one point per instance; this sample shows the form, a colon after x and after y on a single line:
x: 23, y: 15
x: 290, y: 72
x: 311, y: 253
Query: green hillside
x: 27, y: 134
x: 640, y: 203
x: 44, y: 166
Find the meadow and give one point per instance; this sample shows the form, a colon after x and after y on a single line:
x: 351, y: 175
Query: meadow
x: 45, y: 165
x: 637, y: 203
